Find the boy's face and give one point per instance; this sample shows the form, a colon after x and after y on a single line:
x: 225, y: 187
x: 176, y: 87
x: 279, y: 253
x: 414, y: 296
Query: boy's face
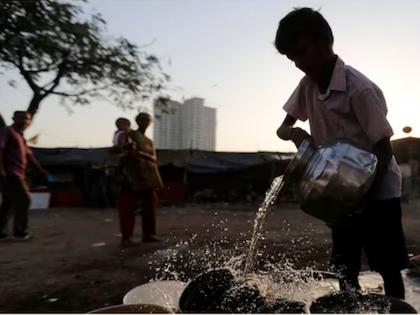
x: 309, y: 55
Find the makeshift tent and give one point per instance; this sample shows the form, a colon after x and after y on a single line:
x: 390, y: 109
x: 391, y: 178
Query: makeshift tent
x: 406, y: 149
x: 71, y: 156
x: 199, y: 169
x: 198, y: 162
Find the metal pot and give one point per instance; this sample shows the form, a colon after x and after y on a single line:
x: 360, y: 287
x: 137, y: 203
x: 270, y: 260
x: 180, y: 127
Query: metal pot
x: 332, y: 179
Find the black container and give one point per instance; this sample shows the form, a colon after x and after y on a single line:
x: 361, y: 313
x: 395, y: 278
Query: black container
x: 217, y: 291
x: 204, y: 294
x: 354, y: 302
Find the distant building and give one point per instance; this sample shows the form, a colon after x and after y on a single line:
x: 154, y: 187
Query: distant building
x: 188, y: 125
x: 166, y: 126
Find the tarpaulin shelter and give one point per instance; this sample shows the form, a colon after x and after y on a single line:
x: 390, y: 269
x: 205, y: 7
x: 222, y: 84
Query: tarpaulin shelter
x: 406, y: 149
x: 199, y: 162
x: 198, y: 169
x: 71, y: 156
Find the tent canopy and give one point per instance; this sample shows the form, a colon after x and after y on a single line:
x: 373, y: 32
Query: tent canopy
x: 195, y: 161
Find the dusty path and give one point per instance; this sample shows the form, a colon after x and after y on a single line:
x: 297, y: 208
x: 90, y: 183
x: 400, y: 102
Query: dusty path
x: 75, y: 264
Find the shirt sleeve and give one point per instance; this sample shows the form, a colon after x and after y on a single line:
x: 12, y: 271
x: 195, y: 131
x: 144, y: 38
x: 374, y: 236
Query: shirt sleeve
x: 4, y: 135
x: 296, y: 104
x: 369, y: 107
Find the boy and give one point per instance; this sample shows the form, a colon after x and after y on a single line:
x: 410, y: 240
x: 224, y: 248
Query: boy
x: 340, y: 102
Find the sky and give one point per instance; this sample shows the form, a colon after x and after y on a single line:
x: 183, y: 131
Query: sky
x: 222, y: 51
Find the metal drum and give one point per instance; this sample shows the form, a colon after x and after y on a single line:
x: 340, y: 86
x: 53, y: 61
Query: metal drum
x: 332, y: 179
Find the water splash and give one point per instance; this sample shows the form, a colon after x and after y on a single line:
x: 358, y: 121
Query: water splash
x: 274, y: 280
x: 257, y: 233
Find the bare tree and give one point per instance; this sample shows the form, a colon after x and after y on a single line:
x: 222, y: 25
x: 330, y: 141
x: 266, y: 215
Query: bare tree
x: 57, y: 52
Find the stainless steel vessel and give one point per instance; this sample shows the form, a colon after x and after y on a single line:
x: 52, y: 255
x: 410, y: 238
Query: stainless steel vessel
x: 332, y: 179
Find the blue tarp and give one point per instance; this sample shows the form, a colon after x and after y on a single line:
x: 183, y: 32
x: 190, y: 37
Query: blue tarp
x: 70, y: 156
x: 199, y: 162
x: 214, y: 162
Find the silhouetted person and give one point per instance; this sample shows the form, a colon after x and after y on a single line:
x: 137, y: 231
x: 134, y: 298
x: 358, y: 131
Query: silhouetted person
x: 342, y: 103
x: 140, y: 165
x: 14, y: 158
x: 121, y: 135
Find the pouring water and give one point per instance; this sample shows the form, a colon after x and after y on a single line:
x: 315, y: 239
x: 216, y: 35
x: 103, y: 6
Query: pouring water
x: 270, y: 198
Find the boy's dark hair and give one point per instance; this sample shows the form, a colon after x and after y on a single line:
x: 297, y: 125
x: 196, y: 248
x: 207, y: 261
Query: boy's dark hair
x: 121, y: 120
x: 302, y: 23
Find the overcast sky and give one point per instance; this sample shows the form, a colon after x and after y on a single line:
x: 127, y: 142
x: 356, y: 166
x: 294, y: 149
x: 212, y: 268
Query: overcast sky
x: 223, y: 51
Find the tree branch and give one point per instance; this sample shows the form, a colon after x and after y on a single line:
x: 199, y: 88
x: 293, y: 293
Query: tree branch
x: 56, y: 80
x: 47, y: 69
x: 67, y: 94
x: 35, y: 88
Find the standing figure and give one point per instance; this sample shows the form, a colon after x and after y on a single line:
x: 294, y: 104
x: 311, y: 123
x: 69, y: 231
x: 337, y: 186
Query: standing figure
x: 342, y: 103
x: 121, y: 135
x: 140, y: 166
x: 14, y: 158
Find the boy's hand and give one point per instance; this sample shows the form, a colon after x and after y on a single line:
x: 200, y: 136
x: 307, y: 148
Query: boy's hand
x: 287, y: 132
x: 298, y: 135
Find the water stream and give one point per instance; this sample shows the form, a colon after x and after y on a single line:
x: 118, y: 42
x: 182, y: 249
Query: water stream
x: 270, y: 198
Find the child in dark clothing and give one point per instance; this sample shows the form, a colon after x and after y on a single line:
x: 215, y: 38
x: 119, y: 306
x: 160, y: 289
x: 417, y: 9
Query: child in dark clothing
x: 121, y: 135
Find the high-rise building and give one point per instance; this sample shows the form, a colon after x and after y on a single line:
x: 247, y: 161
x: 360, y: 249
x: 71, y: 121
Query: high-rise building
x: 166, y: 126
x: 190, y: 125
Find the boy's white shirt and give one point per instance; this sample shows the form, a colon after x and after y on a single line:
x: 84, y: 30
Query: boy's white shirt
x: 352, y: 108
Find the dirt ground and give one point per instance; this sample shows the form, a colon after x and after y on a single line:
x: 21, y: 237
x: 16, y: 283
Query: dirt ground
x: 75, y: 264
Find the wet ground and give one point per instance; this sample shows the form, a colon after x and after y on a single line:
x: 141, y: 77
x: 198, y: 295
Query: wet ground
x: 75, y: 263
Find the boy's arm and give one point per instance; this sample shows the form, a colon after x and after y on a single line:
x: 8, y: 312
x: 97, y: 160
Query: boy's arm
x: 295, y: 108
x: 287, y: 132
x: 383, y: 152
x: 369, y: 107
x: 284, y: 131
